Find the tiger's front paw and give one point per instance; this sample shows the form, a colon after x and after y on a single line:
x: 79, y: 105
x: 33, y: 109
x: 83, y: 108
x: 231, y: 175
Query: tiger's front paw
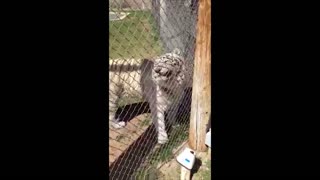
x: 118, y: 125
x: 162, y: 139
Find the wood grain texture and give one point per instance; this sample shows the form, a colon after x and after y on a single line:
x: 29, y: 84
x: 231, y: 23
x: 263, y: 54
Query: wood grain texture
x: 201, y: 91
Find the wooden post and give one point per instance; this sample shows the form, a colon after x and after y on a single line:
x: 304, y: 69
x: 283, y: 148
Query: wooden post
x: 201, y: 89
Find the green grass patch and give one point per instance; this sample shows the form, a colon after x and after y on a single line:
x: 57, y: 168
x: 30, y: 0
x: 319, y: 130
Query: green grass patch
x: 135, y: 36
x: 145, y: 122
x: 165, y: 152
x: 147, y: 173
x: 204, y: 173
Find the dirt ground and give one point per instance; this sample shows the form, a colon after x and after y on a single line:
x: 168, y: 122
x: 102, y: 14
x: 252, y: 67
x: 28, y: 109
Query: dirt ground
x: 121, y: 139
x: 201, y: 170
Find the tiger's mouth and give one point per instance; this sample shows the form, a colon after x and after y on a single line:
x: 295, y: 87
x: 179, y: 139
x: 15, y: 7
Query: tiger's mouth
x: 161, y: 73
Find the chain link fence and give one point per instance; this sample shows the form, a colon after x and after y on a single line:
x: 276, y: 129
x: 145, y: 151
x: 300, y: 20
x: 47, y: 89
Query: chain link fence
x: 138, y: 30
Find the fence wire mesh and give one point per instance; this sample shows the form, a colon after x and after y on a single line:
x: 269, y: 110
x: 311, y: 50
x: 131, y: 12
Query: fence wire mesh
x: 139, y: 30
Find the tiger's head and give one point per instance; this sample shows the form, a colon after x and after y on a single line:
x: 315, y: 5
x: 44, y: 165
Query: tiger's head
x: 169, y: 69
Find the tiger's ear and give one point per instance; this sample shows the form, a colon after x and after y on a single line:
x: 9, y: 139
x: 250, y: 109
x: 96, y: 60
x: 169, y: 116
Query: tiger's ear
x: 176, y: 51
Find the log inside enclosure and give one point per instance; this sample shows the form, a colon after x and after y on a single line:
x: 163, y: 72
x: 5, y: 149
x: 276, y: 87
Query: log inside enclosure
x: 201, y: 91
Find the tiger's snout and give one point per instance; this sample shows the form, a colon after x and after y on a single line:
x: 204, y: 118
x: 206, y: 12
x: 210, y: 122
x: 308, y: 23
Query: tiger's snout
x: 157, y: 70
x: 163, y: 71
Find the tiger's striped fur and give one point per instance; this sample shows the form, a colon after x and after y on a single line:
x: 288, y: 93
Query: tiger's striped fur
x: 160, y: 81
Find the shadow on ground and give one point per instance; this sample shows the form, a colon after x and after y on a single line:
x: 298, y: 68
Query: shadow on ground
x: 196, y: 167
x: 128, y: 112
x: 134, y: 156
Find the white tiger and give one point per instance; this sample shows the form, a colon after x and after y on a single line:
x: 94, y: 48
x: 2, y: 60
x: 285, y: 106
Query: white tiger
x: 160, y: 81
